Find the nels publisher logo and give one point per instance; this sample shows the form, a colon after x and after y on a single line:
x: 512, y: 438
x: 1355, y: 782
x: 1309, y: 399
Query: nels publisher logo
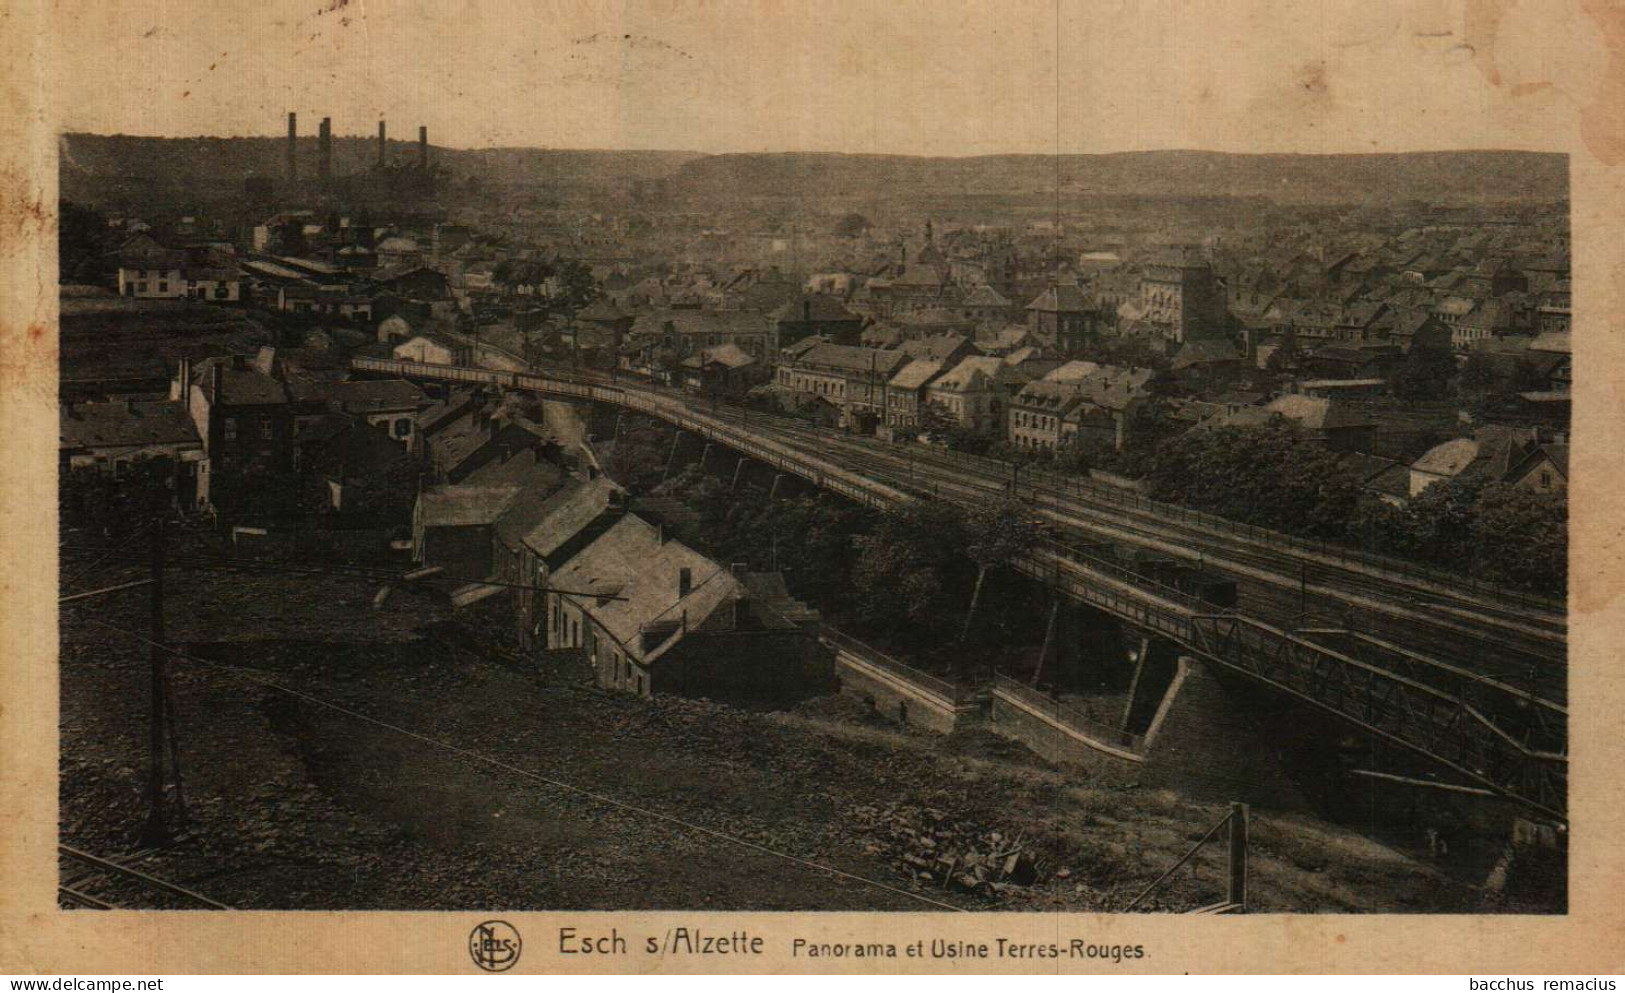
x: 494, y: 946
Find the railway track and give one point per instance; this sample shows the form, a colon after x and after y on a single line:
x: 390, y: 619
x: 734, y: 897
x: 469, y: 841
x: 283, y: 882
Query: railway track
x: 1513, y: 651
x: 84, y: 880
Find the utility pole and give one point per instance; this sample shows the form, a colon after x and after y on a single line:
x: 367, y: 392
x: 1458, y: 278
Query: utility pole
x: 156, y: 831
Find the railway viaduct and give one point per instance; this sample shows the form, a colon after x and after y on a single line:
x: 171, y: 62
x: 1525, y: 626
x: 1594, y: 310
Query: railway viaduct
x: 1494, y: 716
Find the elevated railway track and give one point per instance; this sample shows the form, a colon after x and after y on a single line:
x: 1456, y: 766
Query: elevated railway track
x: 1504, y: 730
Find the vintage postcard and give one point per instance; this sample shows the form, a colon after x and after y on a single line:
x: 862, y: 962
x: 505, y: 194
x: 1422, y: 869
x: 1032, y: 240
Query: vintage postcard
x: 676, y: 486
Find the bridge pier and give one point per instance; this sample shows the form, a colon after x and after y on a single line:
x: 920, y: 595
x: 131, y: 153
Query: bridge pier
x: 671, y: 460
x: 739, y: 470
x: 779, y: 485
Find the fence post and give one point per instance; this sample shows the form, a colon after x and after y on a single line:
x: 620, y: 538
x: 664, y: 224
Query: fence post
x: 1238, y: 855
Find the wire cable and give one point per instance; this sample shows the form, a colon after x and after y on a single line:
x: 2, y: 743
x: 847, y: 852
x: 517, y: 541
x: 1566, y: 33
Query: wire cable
x: 258, y: 678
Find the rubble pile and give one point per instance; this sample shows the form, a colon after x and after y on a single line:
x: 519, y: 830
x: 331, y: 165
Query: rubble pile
x: 924, y: 845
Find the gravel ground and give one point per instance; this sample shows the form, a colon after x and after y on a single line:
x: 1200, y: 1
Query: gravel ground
x: 295, y: 805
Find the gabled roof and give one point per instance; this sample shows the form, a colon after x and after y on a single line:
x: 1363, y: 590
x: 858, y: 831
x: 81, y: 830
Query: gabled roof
x: 854, y: 359
x: 820, y: 307
x: 964, y: 375
x: 938, y: 346
x: 729, y: 355
x: 567, y: 510
x: 916, y: 374
x: 365, y: 396
x: 116, y: 424
x: 985, y: 296
x: 464, y: 506
x: 630, y: 561
x: 1448, y: 458
x: 1315, y: 413
x: 1061, y: 298
x: 242, y: 383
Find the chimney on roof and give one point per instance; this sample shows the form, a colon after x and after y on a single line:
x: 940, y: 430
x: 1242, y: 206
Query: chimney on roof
x: 324, y: 146
x: 292, y: 166
x: 180, y: 389
x: 382, y: 144
x: 423, y: 147
x: 685, y: 582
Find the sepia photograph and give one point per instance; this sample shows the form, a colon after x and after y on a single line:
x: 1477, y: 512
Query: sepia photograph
x: 1093, y: 459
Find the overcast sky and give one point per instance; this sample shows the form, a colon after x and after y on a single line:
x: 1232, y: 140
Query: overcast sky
x: 930, y: 78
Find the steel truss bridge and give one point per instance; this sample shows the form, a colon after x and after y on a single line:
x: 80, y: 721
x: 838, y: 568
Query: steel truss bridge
x: 1485, y: 728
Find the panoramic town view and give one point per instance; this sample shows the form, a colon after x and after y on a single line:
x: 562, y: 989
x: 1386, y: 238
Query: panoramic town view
x: 449, y: 528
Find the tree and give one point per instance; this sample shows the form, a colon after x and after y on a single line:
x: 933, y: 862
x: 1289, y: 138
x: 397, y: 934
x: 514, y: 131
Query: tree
x: 906, y: 567
x: 1481, y: 373
x: 1521, y: 537
x: 995, y: 534
x: 83, y: 242
x: 1425, y: 375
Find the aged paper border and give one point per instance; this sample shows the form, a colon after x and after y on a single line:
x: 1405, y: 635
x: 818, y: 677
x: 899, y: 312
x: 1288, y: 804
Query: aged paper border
x: 36, y: 937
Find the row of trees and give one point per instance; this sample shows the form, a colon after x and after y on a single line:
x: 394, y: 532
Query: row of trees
x: 1269, y: 476
x: 920, y: 580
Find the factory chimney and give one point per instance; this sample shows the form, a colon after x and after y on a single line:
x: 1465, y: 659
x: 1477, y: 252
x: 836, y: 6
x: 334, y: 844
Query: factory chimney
x: 292, y: 169
x: 423, y: 147
x: 381, y: 145
x: 324, y: 144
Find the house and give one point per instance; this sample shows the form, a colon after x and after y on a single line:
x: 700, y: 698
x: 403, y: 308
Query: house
x: 1492, y: 453
x: 685, y: 332
x: 572, y: 516
x: 361, y: 469
x: 974, y: 393
x: 451, y: 528
x: 434, y: 348
x: 817, y: 314
x: 149, y: 271
x: 852, y: 379
x: 1036, y: 414
x: 905, y: 394
x: 112, y: 437
x: 1543, y: 470
x: 1336, y: 425
x: 948, y: 349
x: 722, y: 371
x: 480, y: 433
x: 1063, y: 317
x: 245, y: 417
x: 392, y: 405
x: 327, y: 301
x: 652, y: 615
x: 1206, y: 363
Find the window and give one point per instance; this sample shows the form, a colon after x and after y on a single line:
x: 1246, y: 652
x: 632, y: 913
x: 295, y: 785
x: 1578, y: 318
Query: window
x: 403, y: 427
x: 1545, y: 480
x: 228, y: 427
x: 141, y: 287
x: 265, y: 428
x: 222, y: 292
x: 163, y: 287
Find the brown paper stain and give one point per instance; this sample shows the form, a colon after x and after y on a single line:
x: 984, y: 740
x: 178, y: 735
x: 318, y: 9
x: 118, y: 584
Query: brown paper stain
x: 1602, y: 122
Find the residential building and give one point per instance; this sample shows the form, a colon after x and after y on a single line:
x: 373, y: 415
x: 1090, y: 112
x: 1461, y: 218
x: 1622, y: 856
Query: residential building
x: 852, y: 379
x: 654, y: 616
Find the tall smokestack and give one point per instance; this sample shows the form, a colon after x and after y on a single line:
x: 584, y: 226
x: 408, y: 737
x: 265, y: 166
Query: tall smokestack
x: 423, y: 147
x: 293, y: 142
x: 381, y: 144
x: 324, y: 144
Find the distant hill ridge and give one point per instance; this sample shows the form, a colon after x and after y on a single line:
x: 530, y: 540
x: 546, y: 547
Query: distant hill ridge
x: 88, y: 161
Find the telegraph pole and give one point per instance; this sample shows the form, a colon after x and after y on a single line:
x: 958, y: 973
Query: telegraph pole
x: 156, y: 831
